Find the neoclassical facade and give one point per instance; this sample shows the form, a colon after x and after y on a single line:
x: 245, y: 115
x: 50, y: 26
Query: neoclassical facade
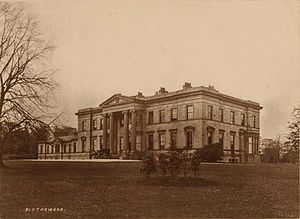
x: 188, y: 118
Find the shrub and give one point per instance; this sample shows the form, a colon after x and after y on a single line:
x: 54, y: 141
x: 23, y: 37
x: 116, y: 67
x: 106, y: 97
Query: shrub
x: 196, y: 161
x: 185, y: 161
x: 148, y: 164
x: 174, y: 163
x: 163, y: 160
x: 211, y: 153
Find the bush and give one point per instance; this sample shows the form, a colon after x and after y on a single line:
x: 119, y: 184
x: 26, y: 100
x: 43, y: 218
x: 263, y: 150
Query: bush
x: 196, y: 161
x: 174, y: 163
x: 102, y: 153
x: 185, y: 162
x: 211, y: 153
x: 148, y: 164
x: 163, y: 160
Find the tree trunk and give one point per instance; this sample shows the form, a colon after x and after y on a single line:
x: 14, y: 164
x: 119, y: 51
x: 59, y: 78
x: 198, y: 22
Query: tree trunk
x: 1, y: 153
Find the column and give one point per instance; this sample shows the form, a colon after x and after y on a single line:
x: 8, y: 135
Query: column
x: 111, y: 132
x: 105, y: 131
x: 125, y: 141
x: 144, y: 135
x: 133, y: 132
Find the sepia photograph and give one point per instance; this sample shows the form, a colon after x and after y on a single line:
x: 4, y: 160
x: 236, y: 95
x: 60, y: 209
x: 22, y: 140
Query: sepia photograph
x: 149, y: 109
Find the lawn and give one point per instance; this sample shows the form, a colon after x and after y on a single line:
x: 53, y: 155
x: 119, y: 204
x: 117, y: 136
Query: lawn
x: 105, y: 190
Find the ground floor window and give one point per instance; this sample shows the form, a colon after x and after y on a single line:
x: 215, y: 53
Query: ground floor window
x: 209, y: 137
x: 232, y: 138
x: 162, y: 138
x: 150, y: 141
x: 94, y: 144
x: 121, y: 143
x: 83, y: 144
x: 74, y: 147
x: 173, y: 138
x: 221, y: 138
x: 189, y: 138
x: 101, y: 143
x: 250, y: 145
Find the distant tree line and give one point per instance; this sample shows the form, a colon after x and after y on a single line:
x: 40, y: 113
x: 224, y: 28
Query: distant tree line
x: 279, y: 151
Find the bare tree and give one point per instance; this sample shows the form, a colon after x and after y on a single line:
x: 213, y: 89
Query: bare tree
x: 26, y: 89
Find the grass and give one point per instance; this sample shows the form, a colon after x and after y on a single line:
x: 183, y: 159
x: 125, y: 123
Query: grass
x: 90, y: 190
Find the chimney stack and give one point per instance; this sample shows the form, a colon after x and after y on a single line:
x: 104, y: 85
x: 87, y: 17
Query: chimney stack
x: 187, y: 85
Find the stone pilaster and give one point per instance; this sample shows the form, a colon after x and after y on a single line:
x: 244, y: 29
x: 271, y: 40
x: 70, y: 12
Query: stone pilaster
x: 125, y: 138
x: 133, y: 131
x: 111, y: 132
x: 105, y: 131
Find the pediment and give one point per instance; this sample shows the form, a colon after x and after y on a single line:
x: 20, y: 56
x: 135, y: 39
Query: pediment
x: 115, y: 99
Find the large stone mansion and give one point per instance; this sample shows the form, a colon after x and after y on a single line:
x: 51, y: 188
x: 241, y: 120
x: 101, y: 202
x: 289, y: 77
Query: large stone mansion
x: 188, y: 118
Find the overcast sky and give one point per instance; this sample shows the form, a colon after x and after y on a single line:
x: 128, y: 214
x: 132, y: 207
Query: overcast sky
x: 247, y: 49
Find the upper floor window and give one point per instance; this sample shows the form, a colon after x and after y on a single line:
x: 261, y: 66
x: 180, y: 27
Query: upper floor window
x: 221, y: 111
x: 161, y: 116
x: 231, y: 117
x: 173, y: 114
x: 95, y: 124
x: 83, y: 125
x: 210, y: 112
x: 150, y: 117
x: 162, y: 138
x: 190, y: 112
x: 243, y: 119
x: 253, y: 118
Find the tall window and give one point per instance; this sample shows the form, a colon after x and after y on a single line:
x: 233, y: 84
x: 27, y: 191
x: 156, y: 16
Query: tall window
x: 83, y: 125
x: 189, y: 139
x: 95, y: 124
x: 101, y: 142
x: 121, y: 143
x: 101, y: 124
x: 65, y: 148
x: 83, y: 142
x: 232, y: 137
x: 162, y: 138
x: 57, y: 148
x: 253, y: 121
x: 173, y: 114
x: 210, y: 112
x: 150, y: 141
x: 161, y: 116
x: 221, y: 138
x: 242, y: 119
x: 190, y: 112
x: 173, y: 138
x: 94, y: 145
x: 150, y: 117
x: 41, y: 149
x: 250, y: 145
x: 221, y: 112
x: 74, y: 147
x: 209, y: 137
x: 231, y: 117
